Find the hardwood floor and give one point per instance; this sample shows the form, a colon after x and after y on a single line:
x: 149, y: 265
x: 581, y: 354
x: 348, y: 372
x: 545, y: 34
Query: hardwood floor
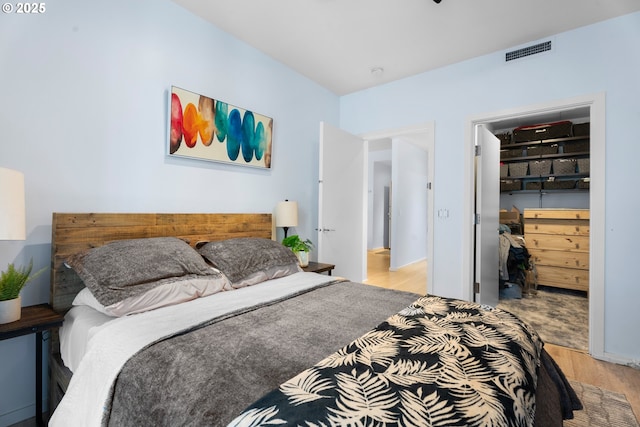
x: 576, y: 365
x: 412, y: 278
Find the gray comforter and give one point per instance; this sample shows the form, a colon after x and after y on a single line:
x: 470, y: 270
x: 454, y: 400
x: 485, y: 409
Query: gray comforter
x: 208, y: 376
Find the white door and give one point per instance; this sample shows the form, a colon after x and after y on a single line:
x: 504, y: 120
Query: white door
x: 487, y: 214
x: 341, y: 205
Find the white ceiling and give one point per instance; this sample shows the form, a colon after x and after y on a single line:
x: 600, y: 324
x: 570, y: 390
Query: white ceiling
x: 338, y: 42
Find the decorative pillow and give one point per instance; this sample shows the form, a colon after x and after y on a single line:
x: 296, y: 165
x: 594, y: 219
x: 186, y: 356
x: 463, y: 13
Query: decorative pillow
x: 250, y: 260
x: 160, y: 296
x: 127, y: 268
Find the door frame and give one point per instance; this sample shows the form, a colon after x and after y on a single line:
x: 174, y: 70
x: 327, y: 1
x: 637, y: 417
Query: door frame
x: 428, y: 131
x: 596, y: 105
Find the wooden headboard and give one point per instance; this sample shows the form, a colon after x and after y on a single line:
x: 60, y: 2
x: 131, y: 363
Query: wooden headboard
x: 74, y: 232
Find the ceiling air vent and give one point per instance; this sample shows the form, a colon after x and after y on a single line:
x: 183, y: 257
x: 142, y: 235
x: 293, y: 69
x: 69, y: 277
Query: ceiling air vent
x: 528, y: 51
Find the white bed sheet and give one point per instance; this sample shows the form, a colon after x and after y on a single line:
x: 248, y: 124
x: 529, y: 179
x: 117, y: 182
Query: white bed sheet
x: 80, y: 323
x: 111, y: 344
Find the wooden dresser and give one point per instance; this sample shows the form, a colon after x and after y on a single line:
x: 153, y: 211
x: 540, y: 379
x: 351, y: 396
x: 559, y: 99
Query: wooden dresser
x: 558, y: 241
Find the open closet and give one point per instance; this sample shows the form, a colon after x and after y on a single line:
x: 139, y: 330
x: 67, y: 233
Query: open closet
x: 544, y: 219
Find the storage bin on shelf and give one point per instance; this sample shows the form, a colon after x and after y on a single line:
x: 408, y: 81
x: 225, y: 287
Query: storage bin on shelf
x: 583, y: 165
x: 518, y: 169
x: 510, y: 217
x: 576, y: 146
x: 564, y: 166
x: 511, y: 153
x: 581, y: 129
x: 539, y: 167
x: 504, y: 170
x: 505, y: 138
x: 542, y: 131
x: 565, y: 184
x: 510, y: 185
x: 583, y: 183
x: 538, y: 150
x: 533, y: 185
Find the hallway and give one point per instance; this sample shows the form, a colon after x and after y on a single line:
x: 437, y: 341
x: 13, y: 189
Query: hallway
x: 412, y: 278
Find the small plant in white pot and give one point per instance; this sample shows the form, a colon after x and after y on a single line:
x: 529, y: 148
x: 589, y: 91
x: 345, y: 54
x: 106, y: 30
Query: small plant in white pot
x: 11, y: 283
x: 299, y: 247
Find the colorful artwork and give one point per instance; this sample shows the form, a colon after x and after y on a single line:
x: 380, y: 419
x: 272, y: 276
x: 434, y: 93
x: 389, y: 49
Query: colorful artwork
x: 207, y: 129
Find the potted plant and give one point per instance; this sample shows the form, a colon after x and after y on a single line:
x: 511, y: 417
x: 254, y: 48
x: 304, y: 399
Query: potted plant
x: 300, y: 247
x: 11, y: 283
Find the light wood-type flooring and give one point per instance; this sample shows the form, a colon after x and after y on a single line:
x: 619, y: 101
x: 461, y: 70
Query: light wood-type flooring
x: 576, y: 365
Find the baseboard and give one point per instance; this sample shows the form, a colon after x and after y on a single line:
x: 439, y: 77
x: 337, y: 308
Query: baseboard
x: 17, y: 415
x: 408, y: 264
x: 620, y: 360
x: 22, y: 414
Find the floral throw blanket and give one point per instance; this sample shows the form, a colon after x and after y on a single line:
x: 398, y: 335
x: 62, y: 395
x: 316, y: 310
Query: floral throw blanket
x: 438, y: 362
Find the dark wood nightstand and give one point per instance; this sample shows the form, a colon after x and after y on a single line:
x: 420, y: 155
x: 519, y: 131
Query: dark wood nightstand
x: 34, y: 319
x: 318, y: 267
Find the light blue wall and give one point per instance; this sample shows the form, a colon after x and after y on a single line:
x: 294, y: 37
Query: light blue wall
x: 409, y: 204
x: 83, y: 113
x: 599, y: 58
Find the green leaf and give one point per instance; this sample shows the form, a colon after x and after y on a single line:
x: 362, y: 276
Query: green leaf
x: 14, y: 279
x: 296, y: 244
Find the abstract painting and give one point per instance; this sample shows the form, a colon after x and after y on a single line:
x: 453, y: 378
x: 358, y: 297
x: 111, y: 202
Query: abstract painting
x: 208, y: 129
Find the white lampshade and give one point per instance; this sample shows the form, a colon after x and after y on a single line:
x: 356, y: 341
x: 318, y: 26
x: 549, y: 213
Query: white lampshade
x: 12, y: 213
x: 287, y: 214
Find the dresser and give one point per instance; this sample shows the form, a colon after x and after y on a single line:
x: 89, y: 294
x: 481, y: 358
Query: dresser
x: 558, y: 242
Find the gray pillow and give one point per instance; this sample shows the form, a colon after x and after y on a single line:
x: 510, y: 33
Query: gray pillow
x: 250, y: 260
x: 126, y: 268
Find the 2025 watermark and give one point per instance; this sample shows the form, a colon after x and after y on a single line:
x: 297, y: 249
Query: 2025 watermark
x: 24, y: 8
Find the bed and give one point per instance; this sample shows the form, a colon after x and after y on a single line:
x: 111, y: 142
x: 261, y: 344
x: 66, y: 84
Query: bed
x: 257, y: 341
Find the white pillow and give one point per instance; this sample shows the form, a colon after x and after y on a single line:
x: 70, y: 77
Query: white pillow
x: 85, y: 297
x: 160, y: 296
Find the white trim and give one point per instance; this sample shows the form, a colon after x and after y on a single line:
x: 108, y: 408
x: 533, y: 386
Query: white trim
x: 428, y: 129
x: 620, y: 360
x: 597, y: 234
x: 596, y: 105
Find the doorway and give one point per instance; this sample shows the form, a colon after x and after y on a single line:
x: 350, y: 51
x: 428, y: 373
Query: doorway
x: 345, y: 245
x: 594, y: 107
x: 406, y: 194
x: 553, y: 231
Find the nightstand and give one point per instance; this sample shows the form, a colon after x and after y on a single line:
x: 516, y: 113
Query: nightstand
x: 34, y: 319
x: 318, y: 267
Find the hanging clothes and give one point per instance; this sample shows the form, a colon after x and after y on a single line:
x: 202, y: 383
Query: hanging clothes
x: 514, y: 258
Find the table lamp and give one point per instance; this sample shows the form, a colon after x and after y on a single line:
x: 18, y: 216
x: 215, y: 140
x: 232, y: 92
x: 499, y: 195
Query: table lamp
x: 12, y: 216
x: 12, y: 227
x: 286, y: 215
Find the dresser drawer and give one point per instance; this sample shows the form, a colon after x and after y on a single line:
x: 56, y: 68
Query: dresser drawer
x: 568, y: 278
x: 561, y: 214
x: 558, y: 243
x: 579, y: 260
x: 566, y: 228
